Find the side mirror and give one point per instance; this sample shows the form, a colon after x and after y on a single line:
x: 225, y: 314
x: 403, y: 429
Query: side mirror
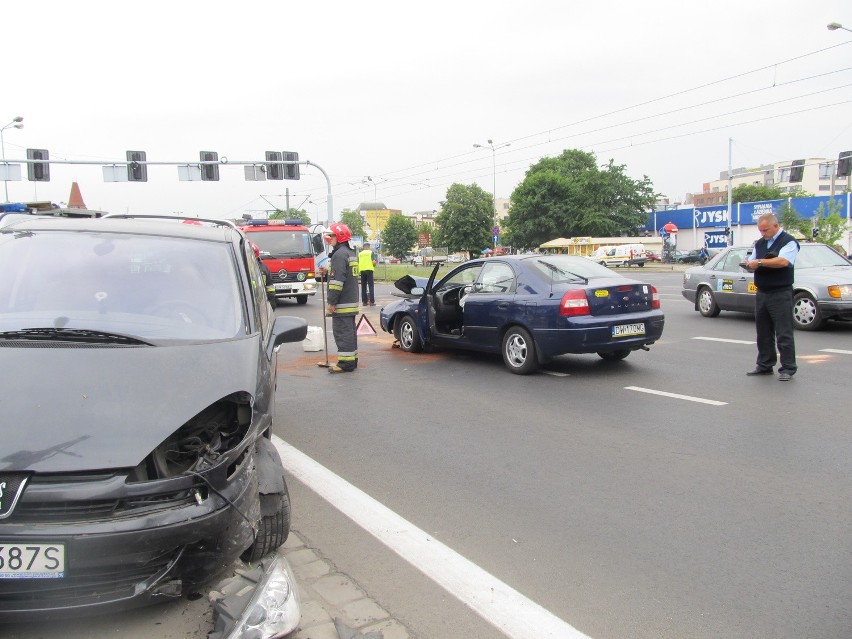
x: 286, y: 329
x: 318, y: 244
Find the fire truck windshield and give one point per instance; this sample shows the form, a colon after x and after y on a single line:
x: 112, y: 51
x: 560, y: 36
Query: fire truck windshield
x: 279, y: 244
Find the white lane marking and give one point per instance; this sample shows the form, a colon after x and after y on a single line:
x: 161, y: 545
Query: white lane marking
x: 496, y: 602
x: 729, y: 341
x: 835, y: 350
x: 555, y: 373
x: 688, y: 398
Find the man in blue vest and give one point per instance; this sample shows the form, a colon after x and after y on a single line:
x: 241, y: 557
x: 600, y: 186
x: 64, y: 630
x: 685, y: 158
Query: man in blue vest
x: 772, y: 263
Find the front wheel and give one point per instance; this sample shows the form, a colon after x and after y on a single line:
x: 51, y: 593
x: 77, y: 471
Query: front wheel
x: 519, y: 351
x: 707, y: 306
x: 409, y: 338
x: 806, y: 313
x: 274, y: 527
x: 301, y: 299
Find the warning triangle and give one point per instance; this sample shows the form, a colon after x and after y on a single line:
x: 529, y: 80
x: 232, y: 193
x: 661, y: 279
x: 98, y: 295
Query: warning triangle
x: 364, y: 327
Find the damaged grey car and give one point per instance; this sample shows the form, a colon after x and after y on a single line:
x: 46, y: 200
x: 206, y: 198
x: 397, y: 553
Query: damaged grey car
x: 139, y: 368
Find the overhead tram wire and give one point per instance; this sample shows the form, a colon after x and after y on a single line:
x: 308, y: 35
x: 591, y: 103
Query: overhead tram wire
x: 621, y: 110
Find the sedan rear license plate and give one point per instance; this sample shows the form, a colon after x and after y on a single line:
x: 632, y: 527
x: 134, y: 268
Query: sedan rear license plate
x: 628, y: 330
x: 32, y: 561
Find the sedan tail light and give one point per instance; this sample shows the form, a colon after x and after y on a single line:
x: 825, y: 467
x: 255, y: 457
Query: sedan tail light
x: 574, y: 303
x: 655, y: 297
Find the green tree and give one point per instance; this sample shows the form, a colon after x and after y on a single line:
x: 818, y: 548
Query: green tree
x: 756, y: 193
x: 570, y: 195
x: 398, y: 236
x: 354, y: 221
x: 466, y: 218
x: 292, y: 214
x: 829, y: 223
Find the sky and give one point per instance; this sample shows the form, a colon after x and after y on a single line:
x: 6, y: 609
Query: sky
x: 400, y: 92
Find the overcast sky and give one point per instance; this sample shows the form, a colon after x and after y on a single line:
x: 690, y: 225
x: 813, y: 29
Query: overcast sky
x: 401, y: 91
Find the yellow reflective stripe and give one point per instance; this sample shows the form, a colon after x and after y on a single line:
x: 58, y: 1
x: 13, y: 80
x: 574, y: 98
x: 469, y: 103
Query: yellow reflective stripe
x: 335, y: 282
x: 335, y: 287
x: 345, y: 311
x: 347, y: 358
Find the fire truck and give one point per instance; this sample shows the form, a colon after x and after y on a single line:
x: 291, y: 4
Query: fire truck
x: 289, y: 249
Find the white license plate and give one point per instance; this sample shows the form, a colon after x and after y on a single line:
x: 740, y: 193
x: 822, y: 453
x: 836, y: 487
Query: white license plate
x: 32, y: 561
x: 628, y: 330
x: 281, y: 287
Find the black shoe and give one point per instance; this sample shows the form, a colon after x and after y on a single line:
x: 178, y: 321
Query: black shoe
x: 760, y: 371
x: 784, y: 376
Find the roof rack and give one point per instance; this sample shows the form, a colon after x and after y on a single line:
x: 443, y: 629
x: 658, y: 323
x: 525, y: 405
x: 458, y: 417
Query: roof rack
x: 179, y: 218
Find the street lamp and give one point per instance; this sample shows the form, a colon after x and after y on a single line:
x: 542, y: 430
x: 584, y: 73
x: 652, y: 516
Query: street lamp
x: 493, y: 148
x: 15, y: 124
x: 834, y: 26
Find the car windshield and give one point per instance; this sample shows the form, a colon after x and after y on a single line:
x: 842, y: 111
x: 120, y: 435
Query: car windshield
x: 818, y: 255
x: 282, y: 243
x: 152, y: 288
x: 569, y: 268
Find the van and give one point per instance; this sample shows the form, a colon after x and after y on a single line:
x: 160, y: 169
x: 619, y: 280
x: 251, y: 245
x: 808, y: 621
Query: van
x: 620, y: 255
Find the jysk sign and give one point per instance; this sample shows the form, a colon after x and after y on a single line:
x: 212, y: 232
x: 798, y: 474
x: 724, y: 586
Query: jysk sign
x: 715, y: 239
x: 711, y: 216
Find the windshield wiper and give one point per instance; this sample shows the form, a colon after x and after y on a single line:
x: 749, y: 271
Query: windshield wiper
x: 554, y: 269
x: 83, y: 335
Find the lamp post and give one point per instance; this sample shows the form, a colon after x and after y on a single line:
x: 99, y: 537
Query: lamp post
x: 369, y: 180
x: 15, y: 124
x: 493, y: 148
x: 834, y: 26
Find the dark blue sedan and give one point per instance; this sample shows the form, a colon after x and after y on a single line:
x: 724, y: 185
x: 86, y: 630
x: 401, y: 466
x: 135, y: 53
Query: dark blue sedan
x: 530, y: 308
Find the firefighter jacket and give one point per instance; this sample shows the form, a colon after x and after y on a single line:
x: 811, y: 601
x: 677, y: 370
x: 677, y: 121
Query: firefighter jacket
x: 343, y: 281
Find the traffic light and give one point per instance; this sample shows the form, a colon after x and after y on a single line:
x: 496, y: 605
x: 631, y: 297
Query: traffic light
x: 797, y: 170
x: 274, y: 171
x: 209, y: 172
x: 137, y: 172
x: 38, y: 172
x: 814, y: 232
x: 844, y: 164
x: 291, y: 171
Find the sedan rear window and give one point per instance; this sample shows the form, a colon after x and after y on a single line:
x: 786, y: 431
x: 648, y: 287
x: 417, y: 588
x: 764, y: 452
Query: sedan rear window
x: 155, y: 288
x: 569, y: 268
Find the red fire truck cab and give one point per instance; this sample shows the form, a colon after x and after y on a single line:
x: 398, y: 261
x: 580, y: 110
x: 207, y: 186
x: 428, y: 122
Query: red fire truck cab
x: 288, y: 249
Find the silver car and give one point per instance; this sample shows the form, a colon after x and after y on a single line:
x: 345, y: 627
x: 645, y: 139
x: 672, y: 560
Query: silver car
x: 822, y: 289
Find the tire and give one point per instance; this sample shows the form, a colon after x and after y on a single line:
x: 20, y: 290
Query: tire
x: 706, y: 304
x: 806, y: 313
x: 519, y: 352
x: 409, y: 338
x: 301, y: 299
x: 273, y: 529
x: 614, y: 356
x: 602, y: 263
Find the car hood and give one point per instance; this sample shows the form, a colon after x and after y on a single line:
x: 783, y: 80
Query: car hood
x: 76, y: 409
x: 827, y: 275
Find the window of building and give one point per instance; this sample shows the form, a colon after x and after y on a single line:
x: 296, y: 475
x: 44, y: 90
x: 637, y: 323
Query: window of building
x: 784, y: 175
x: 825, y: 187
x: 825, y: 170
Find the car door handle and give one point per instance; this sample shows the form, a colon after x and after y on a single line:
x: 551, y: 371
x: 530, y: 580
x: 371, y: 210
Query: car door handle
x: 503, y: 306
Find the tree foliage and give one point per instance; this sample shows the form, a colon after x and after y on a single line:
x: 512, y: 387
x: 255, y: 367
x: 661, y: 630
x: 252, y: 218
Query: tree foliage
x: 292, y: 214
x: 829, y: 223
x: 570, y: 195
x: 398, y: 236
x: 756, y: 193
x: 465, y: 220
x: 354, y: 221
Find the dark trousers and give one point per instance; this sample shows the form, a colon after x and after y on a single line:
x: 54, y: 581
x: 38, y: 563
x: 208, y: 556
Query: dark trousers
x: 773, y: 315
x: 368, y: 291
x: 346, y: 340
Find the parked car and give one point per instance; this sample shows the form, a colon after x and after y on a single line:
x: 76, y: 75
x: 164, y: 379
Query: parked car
x: 653, y: 256
x: 139, y: 360
x: 690, y: 257
x: 528, y: 307
x: 822, y: 289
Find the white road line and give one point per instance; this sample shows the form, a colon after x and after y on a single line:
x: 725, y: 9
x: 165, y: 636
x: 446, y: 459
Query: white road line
x: 688, y: 398
x: 835, y: 350
x: 729, y: 341
x: 555, y: 373
x: 496, y: 602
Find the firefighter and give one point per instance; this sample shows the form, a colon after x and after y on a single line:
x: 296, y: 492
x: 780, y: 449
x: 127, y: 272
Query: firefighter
x: 342, y: 296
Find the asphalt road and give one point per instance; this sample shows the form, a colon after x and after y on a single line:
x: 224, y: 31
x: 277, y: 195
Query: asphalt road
x: 719, y: 508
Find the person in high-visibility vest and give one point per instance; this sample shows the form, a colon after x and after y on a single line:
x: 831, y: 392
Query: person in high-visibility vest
x: 366, y: 266
x: 342, y: 297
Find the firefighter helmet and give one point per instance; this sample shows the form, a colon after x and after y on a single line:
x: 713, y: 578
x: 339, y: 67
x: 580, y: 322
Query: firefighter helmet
x: 340, y: 231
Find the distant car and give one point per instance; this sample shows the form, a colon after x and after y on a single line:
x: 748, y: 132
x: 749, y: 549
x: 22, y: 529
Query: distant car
x: 822, y: 289
x: 653, y: 256
x: 690, y: 257
x: 455, y: 259
x: 139, y: 360
x: 529, y: 308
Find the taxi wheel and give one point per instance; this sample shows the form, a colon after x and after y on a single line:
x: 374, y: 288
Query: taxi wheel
x: 409, y: 339
x: 614, y: 356
x: 806, y: 313
x: 707, y: 306
x: 519, y: 351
